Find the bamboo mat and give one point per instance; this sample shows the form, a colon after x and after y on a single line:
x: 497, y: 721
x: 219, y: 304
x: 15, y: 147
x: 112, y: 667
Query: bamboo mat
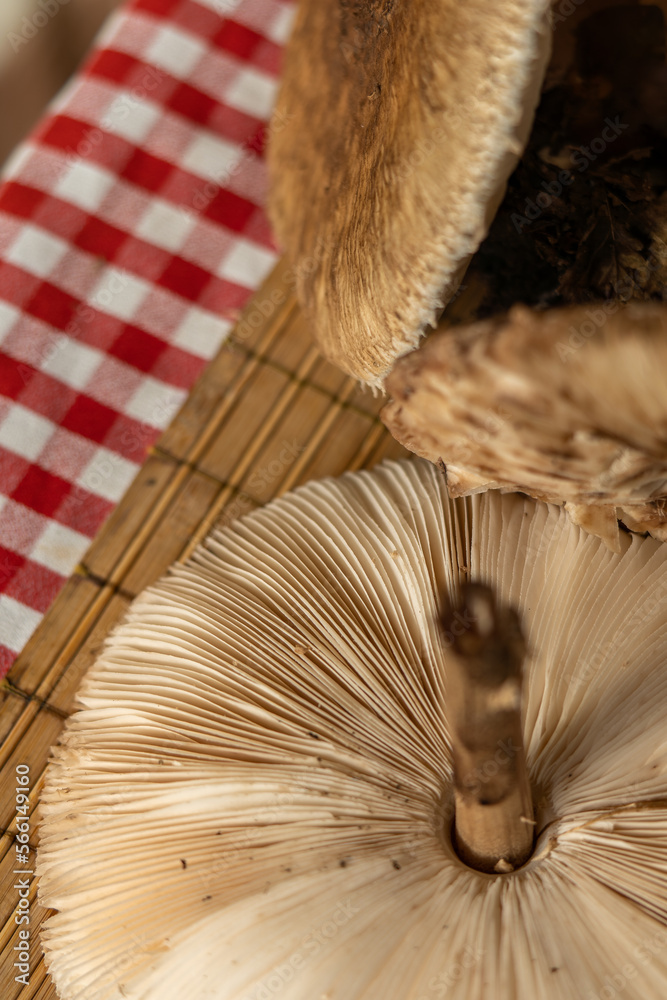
x: 267, y: 415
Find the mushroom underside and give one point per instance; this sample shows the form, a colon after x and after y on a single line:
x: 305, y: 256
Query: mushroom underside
x: 255, y: 794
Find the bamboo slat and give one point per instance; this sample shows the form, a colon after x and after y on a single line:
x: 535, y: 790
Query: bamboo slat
x: 74, y: 603
x: 9, y: 988
x: 12, y: 706
x: 167, y: 541
x: 272, y: 391
x: 36, y: 731
x: 134, y: 520
x: 110, y: 611
x: 267, y: 414
x: 229, y: 368
x: 8, y: 897
x: 291, y: 346
x: 10, y: 878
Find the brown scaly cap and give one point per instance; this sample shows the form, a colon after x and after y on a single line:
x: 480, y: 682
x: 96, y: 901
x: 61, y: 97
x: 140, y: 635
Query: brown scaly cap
x: 396, y: 128
x: 568, y: 406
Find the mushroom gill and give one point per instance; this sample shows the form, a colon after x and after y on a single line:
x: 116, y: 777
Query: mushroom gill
x: 254, y: 797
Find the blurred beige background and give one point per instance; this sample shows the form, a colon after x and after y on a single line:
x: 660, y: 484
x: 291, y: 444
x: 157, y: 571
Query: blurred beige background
x: 41, y: 44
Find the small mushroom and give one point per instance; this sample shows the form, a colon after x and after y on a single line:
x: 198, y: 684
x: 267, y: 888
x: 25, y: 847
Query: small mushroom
x: 396, y: 128
x: 568, y: 405
x: 274, y: 714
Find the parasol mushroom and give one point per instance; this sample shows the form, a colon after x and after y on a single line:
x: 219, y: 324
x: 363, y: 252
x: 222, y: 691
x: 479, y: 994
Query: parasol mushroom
x: 568, y: 405
x: 383, y: 219
x: 397, y: 126
x: 254, y: 797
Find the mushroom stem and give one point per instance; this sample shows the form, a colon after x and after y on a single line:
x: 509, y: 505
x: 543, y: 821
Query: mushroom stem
x: 494, y: 829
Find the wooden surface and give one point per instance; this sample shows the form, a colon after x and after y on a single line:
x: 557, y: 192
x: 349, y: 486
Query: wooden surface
x: 267, y: 415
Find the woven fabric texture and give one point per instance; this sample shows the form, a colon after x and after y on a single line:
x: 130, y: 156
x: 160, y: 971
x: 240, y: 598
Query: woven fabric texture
x: 132, y: 231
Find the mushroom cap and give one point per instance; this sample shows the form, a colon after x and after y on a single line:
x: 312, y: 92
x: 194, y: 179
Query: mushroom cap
x: 567, y: 405
x: 396, y: 128
x: 253, y: 799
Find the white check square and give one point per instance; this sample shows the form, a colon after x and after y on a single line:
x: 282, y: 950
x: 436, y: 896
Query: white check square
x: 24, y: 432
x: 84, y: 184
x: 280, y: 27
x: 211, y: 157
x: 131, y: 118
x: 72, y: 363
x: 247, y: 264
x: 9, y: 314
x: 108, y: 474
x: 119, y: 293
x: 253, y: 92
x: 175, y: 51
x: 59, y: 548
x: 166, y: 226
x: 201, y: 332
x: 225, y: 8
x: 36, y: 251
x: 17, y: 623
x: 155, y: 402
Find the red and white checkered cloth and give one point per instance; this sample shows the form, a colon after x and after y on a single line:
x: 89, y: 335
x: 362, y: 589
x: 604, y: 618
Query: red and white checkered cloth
x: 131, y: 232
